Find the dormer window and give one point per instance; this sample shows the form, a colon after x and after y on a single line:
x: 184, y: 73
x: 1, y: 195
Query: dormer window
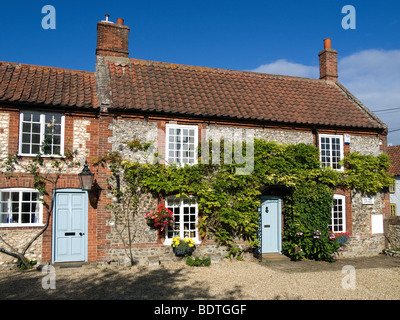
x: 41, y: 133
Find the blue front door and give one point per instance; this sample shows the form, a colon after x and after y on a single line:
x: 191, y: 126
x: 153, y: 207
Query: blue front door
x: 70, y: 226
x: 271, y: 224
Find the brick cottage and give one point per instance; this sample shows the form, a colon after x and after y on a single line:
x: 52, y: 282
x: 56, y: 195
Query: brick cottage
x: 93, y: 113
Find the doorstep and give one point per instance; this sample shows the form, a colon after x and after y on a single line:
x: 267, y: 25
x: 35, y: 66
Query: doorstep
x: 274, y: 257
x: 78, y: 264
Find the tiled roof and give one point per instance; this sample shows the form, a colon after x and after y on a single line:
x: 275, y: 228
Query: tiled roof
x: 187, y: 90
x: 47, y: 85
x: 394, y: 154
x: 140, y: 85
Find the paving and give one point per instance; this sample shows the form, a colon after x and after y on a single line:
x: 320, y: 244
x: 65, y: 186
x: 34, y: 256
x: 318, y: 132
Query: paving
x: 376, y: 278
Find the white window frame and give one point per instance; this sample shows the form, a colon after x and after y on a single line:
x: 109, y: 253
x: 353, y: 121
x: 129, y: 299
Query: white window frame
x: 42, y: 116
x: 331, y: 136
x: 20, y: 201
x: 181, y: 222
x: 343, y: 213
x: 167, y: 142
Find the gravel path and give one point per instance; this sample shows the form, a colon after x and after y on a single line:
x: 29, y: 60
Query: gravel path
x: 375, y: 278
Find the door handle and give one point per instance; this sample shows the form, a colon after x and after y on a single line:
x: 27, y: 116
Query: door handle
x: 81, y: 234
x: 266, y: 210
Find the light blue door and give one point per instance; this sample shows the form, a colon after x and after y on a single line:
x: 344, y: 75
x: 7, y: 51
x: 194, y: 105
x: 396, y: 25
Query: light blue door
x: 271, y: 224
x: 70, y: 226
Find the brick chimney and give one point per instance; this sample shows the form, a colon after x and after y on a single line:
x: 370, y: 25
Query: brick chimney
x: 328, y: 62
x: 112, y: 38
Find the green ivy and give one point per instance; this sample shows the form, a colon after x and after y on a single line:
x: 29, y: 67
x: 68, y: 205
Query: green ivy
x: 228, y: 202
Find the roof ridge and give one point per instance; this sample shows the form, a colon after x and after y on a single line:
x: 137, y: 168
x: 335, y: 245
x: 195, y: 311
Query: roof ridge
x: 222, y: 70
x: 43, y: 67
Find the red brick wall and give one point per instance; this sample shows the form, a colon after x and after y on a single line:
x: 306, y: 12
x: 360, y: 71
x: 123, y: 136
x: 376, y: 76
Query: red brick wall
x: 112, y: 40
x: 328, y: 65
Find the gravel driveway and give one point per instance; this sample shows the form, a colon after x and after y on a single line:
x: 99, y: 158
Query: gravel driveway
x: 375, y: 278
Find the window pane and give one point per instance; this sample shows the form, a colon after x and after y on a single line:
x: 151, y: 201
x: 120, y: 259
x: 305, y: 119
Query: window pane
x: 3, y: 218
x: 35, y: 117
x: 27, y: 116
x: 35, y: 128
x: 14, y: 196
x: 26, y: 127
x: 36, y: 138
x: 25, y: 218
x: 35, y: 149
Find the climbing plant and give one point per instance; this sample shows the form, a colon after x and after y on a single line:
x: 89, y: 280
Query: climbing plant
x: 228, y: 202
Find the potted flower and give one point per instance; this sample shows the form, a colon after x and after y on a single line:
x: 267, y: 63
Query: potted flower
x: 342, y: 238
x: 160, y: 218
x: 183, y: 247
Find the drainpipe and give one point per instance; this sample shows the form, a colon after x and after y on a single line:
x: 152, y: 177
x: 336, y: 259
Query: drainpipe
x: 315, y: 132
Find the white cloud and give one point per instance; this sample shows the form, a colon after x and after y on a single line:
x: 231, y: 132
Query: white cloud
x: 373, y: 76
x: 284, y: 67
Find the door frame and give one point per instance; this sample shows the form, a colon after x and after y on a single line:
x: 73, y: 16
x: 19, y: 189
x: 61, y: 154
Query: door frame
x: 85, y: 221
x: 278, y: 224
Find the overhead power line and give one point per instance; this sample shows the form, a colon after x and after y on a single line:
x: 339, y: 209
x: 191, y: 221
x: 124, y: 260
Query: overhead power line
x: 391, y: 109
x: 390, y: 131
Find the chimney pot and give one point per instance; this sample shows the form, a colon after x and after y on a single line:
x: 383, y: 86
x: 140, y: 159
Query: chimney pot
x: 120, y: 21
x: 327, y: 44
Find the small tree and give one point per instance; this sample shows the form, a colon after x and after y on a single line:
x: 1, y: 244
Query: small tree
x: 126, y: 208
x: 45, y: 173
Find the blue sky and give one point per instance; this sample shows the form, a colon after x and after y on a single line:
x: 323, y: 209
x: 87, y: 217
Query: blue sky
x: 282, y: 37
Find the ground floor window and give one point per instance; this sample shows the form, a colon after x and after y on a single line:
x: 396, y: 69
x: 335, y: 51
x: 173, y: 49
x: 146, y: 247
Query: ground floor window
x: 338, y: 218
x: 20, y: 207
x: 185, y: 218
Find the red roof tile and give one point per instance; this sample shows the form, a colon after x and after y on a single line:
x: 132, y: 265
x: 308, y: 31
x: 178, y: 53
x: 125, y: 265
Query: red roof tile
x: 172, y: 88
x: 394, y: 154
x: 47, y: 85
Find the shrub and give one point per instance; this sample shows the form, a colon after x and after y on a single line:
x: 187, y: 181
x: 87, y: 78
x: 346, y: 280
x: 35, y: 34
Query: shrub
x: 197, y: 262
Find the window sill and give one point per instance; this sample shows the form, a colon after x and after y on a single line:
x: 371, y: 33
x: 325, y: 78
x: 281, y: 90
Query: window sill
x: 21, y: 225
x: 42, y: 156
x: 168, y: 242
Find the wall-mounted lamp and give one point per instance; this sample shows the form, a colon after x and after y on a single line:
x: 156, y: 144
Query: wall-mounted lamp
x: 86, y: 178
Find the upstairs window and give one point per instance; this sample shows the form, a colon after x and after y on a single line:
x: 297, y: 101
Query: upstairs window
x: 331, y: 150
x: 181, y: 144
x: 20, y: 207
x: 41, y: 133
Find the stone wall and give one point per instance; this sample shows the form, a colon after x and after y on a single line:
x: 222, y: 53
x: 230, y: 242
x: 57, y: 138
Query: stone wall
x: 366, y: 145
x: 363, y: 241
x: 279, y: 136
x: 364, y: 245
x: 18, y: 239
x: 124, y: 131
x: 392, y: 232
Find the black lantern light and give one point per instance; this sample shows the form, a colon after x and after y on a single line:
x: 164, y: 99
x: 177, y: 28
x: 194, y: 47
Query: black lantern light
x: 86, y: 178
